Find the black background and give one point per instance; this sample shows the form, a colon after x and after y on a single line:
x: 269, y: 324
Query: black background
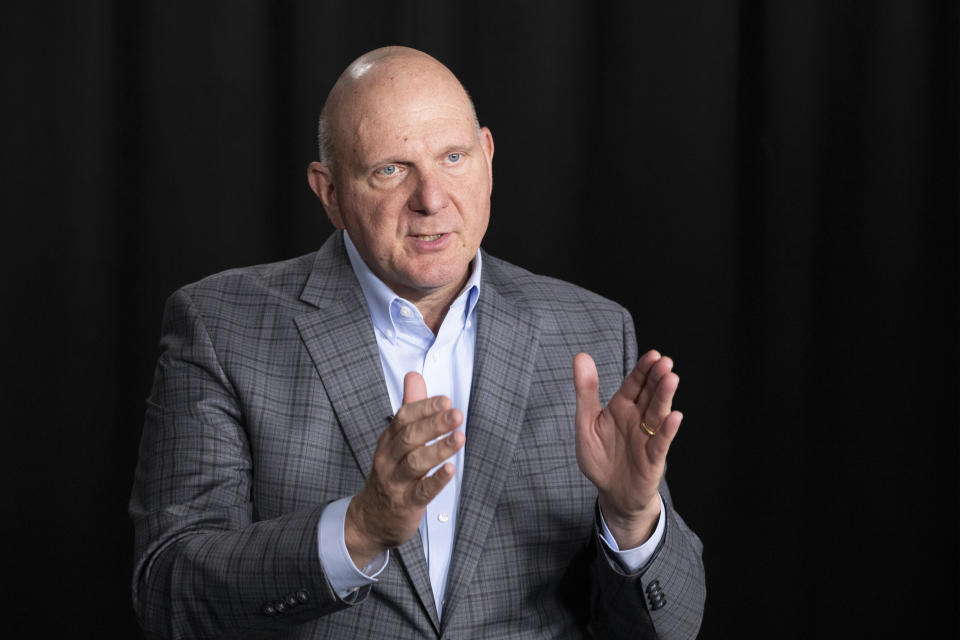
x: 770, y: 188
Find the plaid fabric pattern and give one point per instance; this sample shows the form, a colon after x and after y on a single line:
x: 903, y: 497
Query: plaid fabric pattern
x: 267, y: 402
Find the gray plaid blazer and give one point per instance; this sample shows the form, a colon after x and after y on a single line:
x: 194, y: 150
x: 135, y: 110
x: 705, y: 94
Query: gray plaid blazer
x: 267, y: 402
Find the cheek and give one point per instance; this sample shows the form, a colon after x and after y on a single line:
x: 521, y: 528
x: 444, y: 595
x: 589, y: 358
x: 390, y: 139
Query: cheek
x: 376, y: 216
x: 476, y: 199
x: 481, y: 212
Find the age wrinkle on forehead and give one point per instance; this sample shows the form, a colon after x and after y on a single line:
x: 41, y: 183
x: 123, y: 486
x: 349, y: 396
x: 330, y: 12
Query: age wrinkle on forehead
x: 413, y: 115
x: 378, y: 140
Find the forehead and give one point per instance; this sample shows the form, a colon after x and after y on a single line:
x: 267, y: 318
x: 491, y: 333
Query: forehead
x: 433, y: 127
x: 394, y: 111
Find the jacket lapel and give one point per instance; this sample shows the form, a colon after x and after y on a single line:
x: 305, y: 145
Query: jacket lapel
x: 506, y: 348
x: 339, y: 337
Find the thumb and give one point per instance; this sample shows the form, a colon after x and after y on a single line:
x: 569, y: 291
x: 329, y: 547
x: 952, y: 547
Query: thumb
x: 586, y: 382
x: 414, y: 388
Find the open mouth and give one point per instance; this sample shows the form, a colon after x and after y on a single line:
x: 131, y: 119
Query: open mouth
x: 430, y: 238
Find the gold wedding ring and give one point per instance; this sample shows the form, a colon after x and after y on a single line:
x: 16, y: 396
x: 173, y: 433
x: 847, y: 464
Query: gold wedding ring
x: 650, y: 432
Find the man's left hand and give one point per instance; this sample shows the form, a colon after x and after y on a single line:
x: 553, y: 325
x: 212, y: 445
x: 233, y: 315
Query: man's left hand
x: 614, y: 450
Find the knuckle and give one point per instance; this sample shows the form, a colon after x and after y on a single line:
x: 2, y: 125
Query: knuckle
x: 412, y: 462
x: 446, y: 445
x: 402, y: 415
x: 422, y: 493
x: 452, y: 442
x: 380, y: 459
x: 408, y: 438
x: 432, y: 484
x: 441, y: 420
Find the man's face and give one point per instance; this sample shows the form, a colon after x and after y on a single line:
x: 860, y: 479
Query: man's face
x: 411, y: 183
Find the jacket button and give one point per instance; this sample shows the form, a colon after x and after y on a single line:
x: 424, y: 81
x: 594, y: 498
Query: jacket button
x: 280, y: 606
x: 268, y: 610
x: 291, y: 600
x: 303, y: 595
x: 655, y: 595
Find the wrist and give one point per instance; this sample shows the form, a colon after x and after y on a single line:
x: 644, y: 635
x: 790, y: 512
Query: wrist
x: 630, y: 529
x: 360, y: 544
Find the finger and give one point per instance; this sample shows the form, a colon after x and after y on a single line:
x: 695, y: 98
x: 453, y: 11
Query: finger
x: 428, y: 488
x: 662, y: 400
x: 415, y: 404
x: 414, y: 387
x: 407, y: 437
x: 586, y: 383
x: 633, y: 383
x: 658, y: 445
x: 422, y: 459
x: 662, y: 367
x: 419, y: 410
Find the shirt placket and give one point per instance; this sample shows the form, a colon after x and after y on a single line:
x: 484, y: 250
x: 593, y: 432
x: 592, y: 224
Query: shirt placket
x: 435, y: 360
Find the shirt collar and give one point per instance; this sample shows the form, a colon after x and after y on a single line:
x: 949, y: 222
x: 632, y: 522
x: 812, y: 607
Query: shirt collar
x: 380, y: 297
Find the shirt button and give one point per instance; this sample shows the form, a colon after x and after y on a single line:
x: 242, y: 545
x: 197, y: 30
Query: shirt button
x: 468, y: 324
x: 443, y: 517
x: 390, y: 333
x: 405, y: 312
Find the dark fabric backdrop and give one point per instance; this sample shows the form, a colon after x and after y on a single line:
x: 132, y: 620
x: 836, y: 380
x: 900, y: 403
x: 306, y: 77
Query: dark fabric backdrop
x: 770, y: 188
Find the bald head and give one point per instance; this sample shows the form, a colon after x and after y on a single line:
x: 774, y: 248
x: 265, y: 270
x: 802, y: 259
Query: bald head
x: 411, y: 176
x: 377, y: 79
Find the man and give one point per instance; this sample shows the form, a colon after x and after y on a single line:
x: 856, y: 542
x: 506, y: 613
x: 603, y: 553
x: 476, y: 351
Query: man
x: 385, y: 438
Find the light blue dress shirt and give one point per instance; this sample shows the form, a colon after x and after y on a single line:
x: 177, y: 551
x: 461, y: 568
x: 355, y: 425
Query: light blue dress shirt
x: 445, y: 361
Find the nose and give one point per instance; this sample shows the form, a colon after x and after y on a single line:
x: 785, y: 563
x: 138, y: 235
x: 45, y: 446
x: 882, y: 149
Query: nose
x: 430, y: 196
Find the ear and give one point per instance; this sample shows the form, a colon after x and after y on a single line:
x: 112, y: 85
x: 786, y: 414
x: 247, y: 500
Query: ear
x: 320, y: 178
x: 486, y: 143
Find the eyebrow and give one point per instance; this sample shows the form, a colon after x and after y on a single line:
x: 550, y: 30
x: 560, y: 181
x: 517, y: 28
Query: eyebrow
x: 457, y: 148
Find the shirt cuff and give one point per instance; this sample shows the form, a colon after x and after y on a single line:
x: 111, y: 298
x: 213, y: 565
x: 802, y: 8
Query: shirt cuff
x: 632, y: 560
x: 342, y: 573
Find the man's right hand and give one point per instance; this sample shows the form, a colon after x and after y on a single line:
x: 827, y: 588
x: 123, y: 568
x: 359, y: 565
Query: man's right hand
x: 387, y: 511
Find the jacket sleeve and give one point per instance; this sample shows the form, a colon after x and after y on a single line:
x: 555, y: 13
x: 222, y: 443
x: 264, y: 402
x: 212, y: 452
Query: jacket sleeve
x: 665, y: 598
x: 203, y: 566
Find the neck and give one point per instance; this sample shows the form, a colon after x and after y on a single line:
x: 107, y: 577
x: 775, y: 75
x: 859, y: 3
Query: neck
x: 433, y: 315
x: 433, y: 306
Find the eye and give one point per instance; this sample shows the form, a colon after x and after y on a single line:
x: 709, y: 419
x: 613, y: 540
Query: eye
x: 389, y: 170
x: 454, y: 158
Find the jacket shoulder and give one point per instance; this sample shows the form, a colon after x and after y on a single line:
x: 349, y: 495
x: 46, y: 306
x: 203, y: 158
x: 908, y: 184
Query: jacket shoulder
x: 273, y: 284
x: 544, y: 293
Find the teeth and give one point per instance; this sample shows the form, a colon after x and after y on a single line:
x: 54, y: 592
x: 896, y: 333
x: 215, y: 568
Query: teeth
x: 430, y: 238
